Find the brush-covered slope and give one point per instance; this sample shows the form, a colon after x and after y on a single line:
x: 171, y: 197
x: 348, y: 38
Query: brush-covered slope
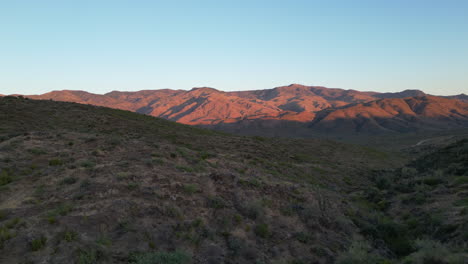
x: 421, y: 210
x: 86, y: 184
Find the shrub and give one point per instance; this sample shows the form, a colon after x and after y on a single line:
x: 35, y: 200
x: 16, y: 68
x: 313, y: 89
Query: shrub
x: 433, y: 181
x: 104, y: 240
x: 90, y: 256
x: 359, y: 253
x: 184, y: 168
x: 262, y: 230
x: 37, y: 151
x: 5, y: 178
x: 461, y: 180
x: 4, y: 236
x: 87, y: 164
x: 190, y: 188
x: 176, y: 257
x: 216, y: 202
x: 206, y: 155
x: 55, y: 162
x: 69, y: 180
x: 304, y: 237
x: 38, y: 243
x: 429, y: 251
x: 70, y: 236
x: 461, y: 202
x: 253, y: 210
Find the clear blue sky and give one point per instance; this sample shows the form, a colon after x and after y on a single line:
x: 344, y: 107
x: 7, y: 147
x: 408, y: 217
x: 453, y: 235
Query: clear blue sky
x: 105, y: 45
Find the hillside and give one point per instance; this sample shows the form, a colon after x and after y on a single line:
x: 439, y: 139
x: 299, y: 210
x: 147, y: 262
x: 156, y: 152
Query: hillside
x: 292, y: 111
x: 85, y: 184
x: 89, y: 184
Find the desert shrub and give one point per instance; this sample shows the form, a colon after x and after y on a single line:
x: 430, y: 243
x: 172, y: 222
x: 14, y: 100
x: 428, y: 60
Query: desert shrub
x: 382, y: 182
x: 132, y: 185
x: 55, y: 162
x: 68, y: 180
x: 104, y: 240
x: 429, y: 251
x: 253, y: 209
x: 304, y: 237
x: 89, y: 256
x: 5, y: 178
x: 62, y: 209
x: 461, y: 180
x: 433, y: 181
x: 408, y: 172
x: 359, y: 253
x: 173, y: 211
x: 262, y: 230
x: 461, y: 202
x: 70, y: 236
x: 5, y: 235
x: 176, y: 257
x: 38, y: 243
x: 190, y: 188
x: 36, y: 151
x: 184, y: 168
x: 13, y: 222
x: 216, y: 202
x: 235, y: 245
x: 206, y: 155
x: 113, y: 141
x: 87, y: 164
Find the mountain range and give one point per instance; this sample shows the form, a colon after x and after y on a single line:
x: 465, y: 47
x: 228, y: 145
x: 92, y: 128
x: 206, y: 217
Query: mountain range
x: 293, y: 110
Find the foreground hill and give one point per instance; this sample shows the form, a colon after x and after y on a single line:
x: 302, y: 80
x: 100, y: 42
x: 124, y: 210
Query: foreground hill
x: 293, y: 110
x: 88, y: 184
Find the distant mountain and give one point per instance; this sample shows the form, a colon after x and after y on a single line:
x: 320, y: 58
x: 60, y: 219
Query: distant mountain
x: 402, y: 94
x: 395, y: 115
x: 462, y: 97
x: 287, y: 108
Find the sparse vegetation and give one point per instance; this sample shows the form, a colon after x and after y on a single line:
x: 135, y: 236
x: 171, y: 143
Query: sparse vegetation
x: 218, y: 196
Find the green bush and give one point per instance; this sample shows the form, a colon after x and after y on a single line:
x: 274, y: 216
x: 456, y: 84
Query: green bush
x: 69, y: 180
x: 262, y: 230
x: 55, y: 162
x: 216, y: 202
x: 5, y: 178
x: 90, y: 256
x: 70, y: 236
x: 176, y: 257
x: 5, y: 235
x: 461, y: 180
x: 38, y: 243
x: 304, y: 237
x: 37, y: 151
x: 429, y: 251
x: 359, y: 253
x: 190, y: 188
x: 87, y: 164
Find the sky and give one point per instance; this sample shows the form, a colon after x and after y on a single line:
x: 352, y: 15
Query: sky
x: 128, y: 45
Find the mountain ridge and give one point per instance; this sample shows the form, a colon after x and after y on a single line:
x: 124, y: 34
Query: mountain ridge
x: 213, y: 108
